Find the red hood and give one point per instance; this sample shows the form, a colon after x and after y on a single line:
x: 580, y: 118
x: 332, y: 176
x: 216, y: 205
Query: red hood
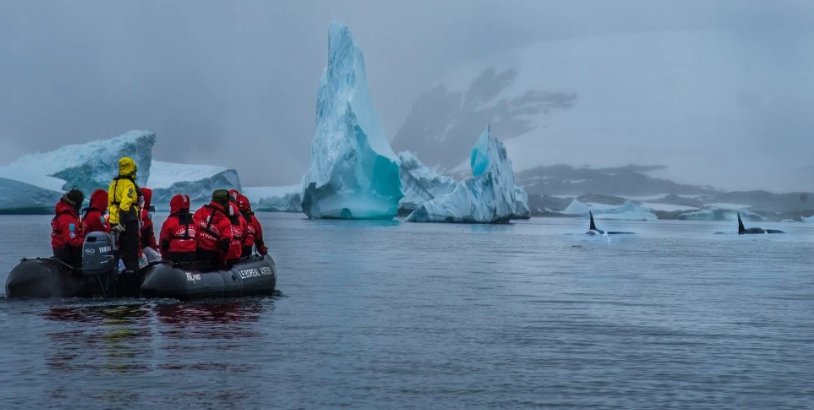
x: 63, y: 207
x: 233, y: 194
x: 218, y: 205
x: 98, y: 200
x: 178, y: 202
x: 148, y: 196
x: 243, y: 203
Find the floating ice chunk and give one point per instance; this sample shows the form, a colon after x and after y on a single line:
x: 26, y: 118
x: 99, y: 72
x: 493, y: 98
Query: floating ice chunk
x: 489, y: 196
x: 36, y: 181
x: 21, y: 198
x: 419, y: 183
x: 353, y: 172
x: 197, y: 181
x: 718, y: 214
x: 628, y: 211
x: 521, y: 204
x: 275, y: 198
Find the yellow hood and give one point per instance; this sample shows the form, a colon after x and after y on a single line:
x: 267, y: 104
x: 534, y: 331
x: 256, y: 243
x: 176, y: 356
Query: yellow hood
x: 127, y: 166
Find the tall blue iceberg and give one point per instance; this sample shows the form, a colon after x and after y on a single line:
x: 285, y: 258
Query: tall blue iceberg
x: 353, y: 173
x: 489, y: 196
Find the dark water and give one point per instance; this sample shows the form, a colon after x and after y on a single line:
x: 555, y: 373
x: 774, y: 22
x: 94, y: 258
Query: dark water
x: 396, y: 315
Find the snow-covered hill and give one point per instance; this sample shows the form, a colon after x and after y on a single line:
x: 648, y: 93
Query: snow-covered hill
x: 727, y: 109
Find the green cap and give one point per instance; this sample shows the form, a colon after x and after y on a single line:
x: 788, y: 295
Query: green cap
x: 220, y: 195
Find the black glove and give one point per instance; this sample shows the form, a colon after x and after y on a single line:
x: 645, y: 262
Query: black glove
x: 261, y: 247
x: 224, y: 245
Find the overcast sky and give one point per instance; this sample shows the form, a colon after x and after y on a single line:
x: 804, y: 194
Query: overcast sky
x: 234, y: 83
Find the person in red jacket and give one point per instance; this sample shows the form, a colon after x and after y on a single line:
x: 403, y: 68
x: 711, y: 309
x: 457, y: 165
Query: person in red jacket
x: 254, y: 231
x: 66, y: 229
x: 213, y: 230
x: 177, y: 238
x: 94, y: 218
x: 239, y: 228
x: 147, y: 232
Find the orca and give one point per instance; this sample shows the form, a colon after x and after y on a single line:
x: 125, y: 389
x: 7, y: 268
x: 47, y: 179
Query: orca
x: 744, y: 231
x: 592, y: 230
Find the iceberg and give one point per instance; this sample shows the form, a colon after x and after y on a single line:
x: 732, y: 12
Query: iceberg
x: 20, y: 198
x: 719, y: 214
x: 521, y: 204
x: 34, y: 182
x: 627, y: 211
x: 489, y: 196
x: 353, y: 172
x: 275, y: 198
x: 419, y: 183
x: 197, y: 181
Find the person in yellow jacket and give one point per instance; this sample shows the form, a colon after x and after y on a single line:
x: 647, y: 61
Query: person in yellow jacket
x: 122, y: 206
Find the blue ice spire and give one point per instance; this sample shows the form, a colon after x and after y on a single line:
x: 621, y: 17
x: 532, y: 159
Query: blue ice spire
x: 353, y: 172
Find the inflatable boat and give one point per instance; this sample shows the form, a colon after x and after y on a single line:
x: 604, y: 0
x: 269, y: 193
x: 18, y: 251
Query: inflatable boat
x: 98, y: 277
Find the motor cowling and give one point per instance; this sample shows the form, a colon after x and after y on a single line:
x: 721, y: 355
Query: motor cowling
x: 98, y: 256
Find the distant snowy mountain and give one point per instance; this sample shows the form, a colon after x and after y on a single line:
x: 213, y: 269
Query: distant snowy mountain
x: 558, y: 190
x: 629, y: 180
x: 672, y: 98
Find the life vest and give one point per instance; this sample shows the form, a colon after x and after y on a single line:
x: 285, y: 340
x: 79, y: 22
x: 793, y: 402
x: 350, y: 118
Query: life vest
x: 178, y: 235
x: 212, y: 226
x: 66, y: 229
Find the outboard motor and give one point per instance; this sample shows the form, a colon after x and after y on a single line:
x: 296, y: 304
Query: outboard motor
x: 98, y: 256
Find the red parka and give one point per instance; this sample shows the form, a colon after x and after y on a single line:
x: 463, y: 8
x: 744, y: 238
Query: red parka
x: 94, y: 218
x: 178, y: 231
x: 147, y: 230
x: 254, y: 231
x: 213, y: 229
x: 66, y: 229
x: 239, y: 228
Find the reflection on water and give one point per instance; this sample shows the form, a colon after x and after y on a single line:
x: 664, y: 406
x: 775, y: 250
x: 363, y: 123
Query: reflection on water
x: 141, y: 341
x: 388, y: 314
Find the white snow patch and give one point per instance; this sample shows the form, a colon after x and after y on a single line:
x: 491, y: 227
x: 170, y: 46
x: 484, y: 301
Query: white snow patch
x: 726, y: 205
x: 667, y: 207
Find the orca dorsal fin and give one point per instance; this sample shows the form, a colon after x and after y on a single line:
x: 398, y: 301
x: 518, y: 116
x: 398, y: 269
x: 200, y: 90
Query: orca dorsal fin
x: 593, y: 226
x: 741, y: 229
